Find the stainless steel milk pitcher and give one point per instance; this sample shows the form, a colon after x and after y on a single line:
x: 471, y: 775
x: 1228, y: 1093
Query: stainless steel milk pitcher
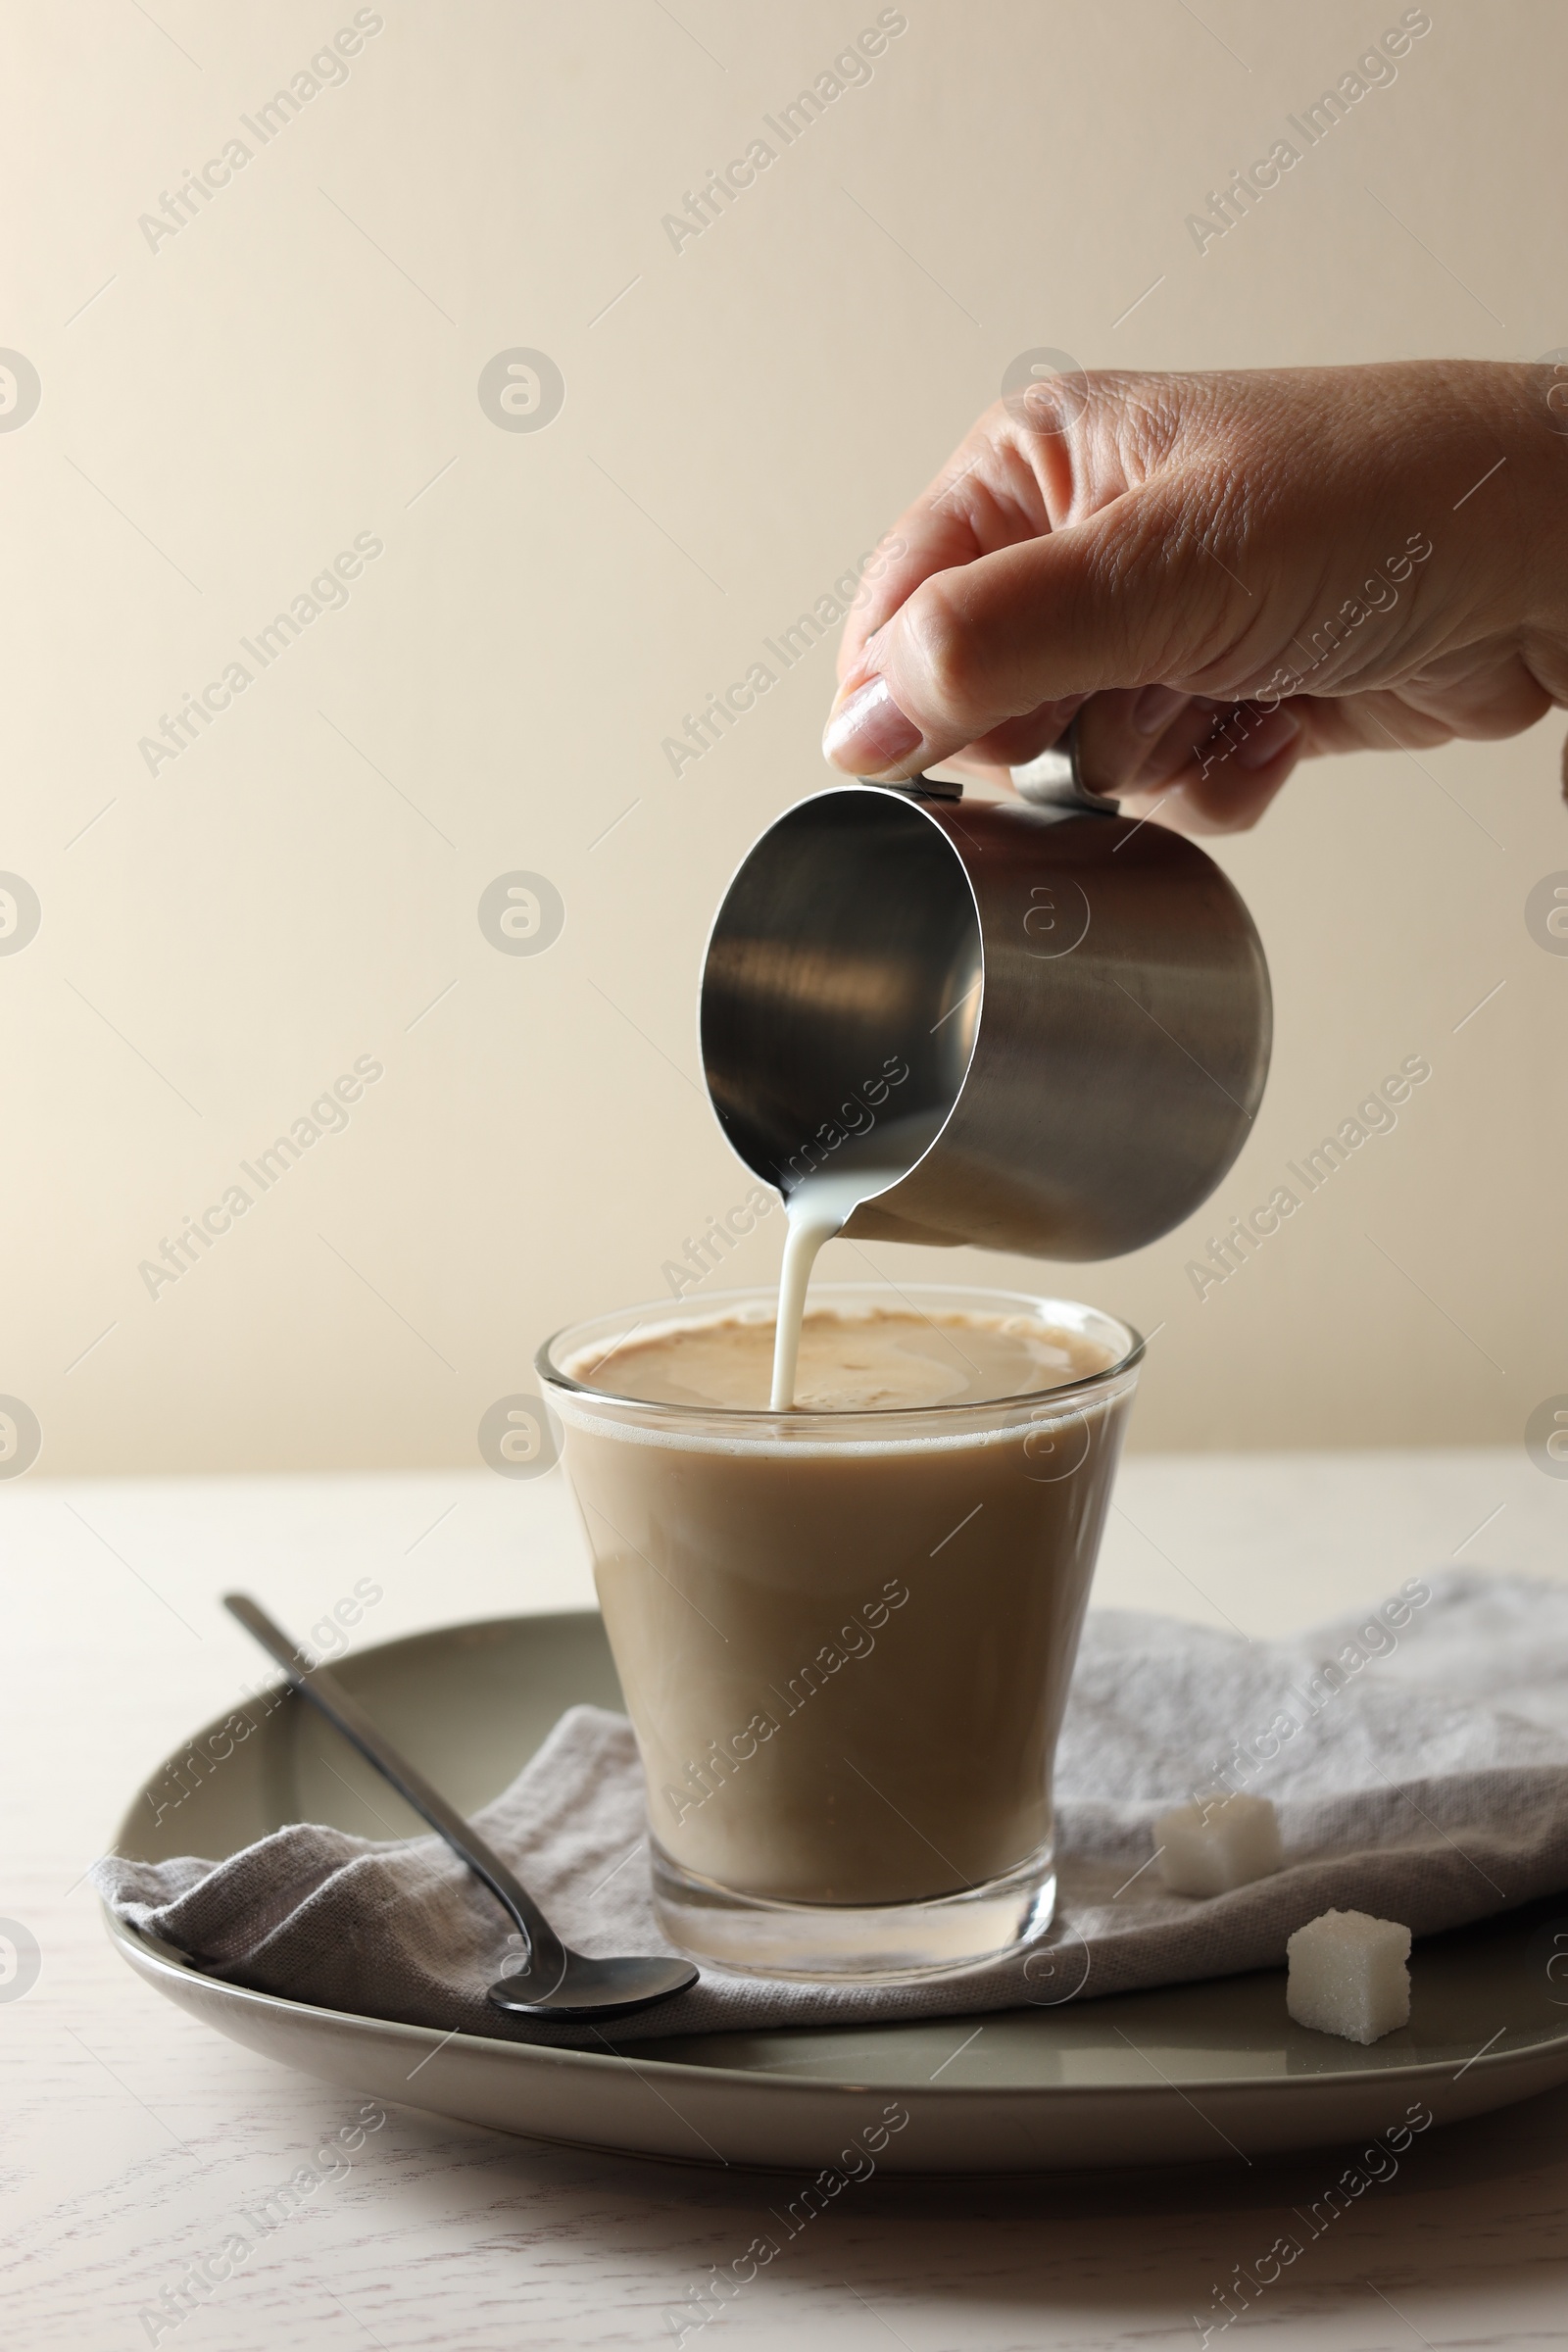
x: 1051, y: 1022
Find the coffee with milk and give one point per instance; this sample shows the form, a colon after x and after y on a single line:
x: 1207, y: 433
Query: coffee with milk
x: 844, y: 1638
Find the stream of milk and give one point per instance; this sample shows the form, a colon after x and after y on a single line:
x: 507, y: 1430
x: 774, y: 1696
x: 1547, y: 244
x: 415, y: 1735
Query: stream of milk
x: 820, y: 1206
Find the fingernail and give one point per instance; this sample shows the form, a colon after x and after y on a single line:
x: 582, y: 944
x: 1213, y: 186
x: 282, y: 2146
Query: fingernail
x: 1267, y: 740
x: 869, y: 732
x: 1153, y: 708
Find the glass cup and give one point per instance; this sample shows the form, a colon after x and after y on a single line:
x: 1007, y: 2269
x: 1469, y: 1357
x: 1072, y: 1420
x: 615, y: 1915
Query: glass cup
x: 845, y: 1641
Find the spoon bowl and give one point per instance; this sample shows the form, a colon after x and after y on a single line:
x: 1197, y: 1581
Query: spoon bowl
x: 594, y: 1988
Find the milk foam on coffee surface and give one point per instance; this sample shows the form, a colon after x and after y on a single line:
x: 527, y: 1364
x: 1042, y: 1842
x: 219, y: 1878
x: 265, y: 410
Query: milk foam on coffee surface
x: 869, y: 1360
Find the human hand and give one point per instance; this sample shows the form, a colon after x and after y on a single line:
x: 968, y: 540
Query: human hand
x: 1219, y: 575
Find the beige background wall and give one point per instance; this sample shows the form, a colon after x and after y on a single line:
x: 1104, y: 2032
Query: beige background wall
x: 221, y: 414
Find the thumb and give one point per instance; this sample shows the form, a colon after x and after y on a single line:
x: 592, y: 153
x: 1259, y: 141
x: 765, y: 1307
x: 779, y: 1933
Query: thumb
x: 1129, y: 597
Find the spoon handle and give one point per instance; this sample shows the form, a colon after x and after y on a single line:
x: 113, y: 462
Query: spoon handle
x: 546, y: 1954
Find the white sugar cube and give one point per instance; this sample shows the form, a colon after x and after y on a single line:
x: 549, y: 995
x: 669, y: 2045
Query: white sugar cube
x: 1349, y: 1976
x: 1220, y: 1842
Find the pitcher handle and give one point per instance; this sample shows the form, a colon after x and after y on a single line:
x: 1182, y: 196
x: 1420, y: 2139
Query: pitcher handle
x: 1053, y: 779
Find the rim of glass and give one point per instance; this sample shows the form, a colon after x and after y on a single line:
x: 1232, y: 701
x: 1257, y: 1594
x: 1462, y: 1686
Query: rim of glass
x: 804, y: 1417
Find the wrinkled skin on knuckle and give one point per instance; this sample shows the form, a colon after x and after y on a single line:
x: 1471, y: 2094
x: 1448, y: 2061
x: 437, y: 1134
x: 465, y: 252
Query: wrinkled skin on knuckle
x: 1005, y: 475
x: 1104, y: 432
x: 1083, y: 441
x: 1150, y: 420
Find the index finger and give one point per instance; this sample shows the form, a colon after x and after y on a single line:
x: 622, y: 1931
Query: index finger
x: 987, y: 496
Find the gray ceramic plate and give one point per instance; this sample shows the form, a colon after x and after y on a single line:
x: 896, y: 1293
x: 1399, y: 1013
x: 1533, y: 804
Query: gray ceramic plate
x: 1149, y: 2077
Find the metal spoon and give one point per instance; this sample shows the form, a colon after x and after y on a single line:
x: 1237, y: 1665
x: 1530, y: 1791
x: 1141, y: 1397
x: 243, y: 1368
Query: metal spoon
x: 553, y: 1980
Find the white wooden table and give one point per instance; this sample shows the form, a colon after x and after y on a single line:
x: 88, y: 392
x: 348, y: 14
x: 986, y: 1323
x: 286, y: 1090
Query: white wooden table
x: 135, y: 2140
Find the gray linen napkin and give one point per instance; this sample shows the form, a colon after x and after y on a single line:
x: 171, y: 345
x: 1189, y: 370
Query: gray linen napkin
x: 1418, y: 1758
